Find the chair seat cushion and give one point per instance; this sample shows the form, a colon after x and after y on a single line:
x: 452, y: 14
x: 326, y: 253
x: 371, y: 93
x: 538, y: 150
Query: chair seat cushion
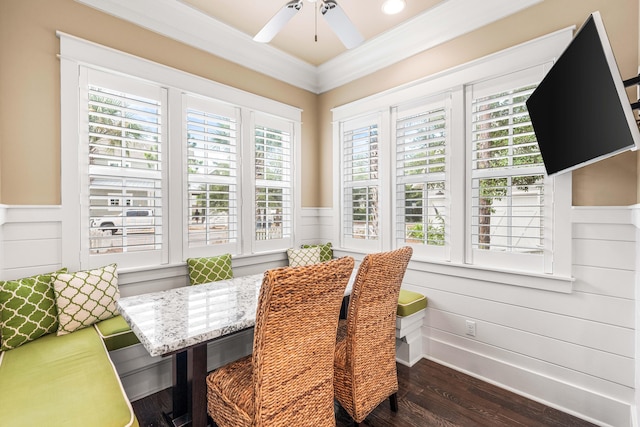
x: 116, y: 333
x: 410, y: 302
x: 65, y: 380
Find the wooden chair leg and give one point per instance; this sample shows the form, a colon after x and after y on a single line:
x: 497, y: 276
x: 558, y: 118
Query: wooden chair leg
x: 393, y: 399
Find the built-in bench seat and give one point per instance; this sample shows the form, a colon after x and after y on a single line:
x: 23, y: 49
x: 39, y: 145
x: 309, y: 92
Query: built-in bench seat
x: 116, y: 333
x: 410, y: 314
x: 66, y: 380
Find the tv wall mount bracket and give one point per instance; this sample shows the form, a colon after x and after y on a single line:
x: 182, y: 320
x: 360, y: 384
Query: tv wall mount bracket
x: 632, y: 82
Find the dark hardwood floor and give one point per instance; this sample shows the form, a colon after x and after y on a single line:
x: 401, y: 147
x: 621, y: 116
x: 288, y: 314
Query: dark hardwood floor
x: 430, y: 395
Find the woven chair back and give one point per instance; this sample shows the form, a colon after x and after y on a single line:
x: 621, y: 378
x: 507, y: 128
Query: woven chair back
x: 294, y: 343
x: 371, y: 328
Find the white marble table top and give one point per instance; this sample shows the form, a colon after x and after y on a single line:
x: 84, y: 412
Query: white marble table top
x: 169, y: 321
x: 173, y: 320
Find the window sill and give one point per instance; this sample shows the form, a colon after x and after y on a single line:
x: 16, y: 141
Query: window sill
x: 546, y: 282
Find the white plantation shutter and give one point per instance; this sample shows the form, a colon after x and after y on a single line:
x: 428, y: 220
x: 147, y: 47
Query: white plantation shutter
x: 508, y: 203
x: 273, y: 203
x: 361, y: 181
x: 212, y: 175
x: 125, y: 137
x: 421, y: 166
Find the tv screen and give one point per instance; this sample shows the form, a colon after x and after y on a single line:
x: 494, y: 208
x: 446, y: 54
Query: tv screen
x: 580, y: 111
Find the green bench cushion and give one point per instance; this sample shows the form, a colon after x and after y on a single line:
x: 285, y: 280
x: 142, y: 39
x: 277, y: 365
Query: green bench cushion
x: 410, y: 302
x: 65, y: 381
x: 116, y: 333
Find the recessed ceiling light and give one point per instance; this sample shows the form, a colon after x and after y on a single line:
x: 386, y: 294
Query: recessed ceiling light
x: 391, y: 7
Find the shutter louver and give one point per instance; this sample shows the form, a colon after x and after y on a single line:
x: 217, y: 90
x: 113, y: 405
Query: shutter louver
x: 507, y: 175
x: 360, y: 169
x: 212, y: 174
x: 421, y: 149
x: 273, y: 179
x: 125, y: 172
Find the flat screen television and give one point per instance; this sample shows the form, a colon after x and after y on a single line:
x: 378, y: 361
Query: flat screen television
x: 580, y: 111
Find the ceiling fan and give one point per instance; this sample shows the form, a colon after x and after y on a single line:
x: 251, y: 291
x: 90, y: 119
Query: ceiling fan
x: 330, y: 10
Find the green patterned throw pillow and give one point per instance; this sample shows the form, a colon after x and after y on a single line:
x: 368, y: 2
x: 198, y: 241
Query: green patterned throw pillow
x: 209, y: 269
x: 301, y: 257
x: 326, y: 251
x: 28, y: 309
x: 84, y: 297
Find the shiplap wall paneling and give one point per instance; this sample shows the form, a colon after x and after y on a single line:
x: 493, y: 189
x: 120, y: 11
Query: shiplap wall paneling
x: 31, y: 242
x: 572, y: 351
x: 317, y: 224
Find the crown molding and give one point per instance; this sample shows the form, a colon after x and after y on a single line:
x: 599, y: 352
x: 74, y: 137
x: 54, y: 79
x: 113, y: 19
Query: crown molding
x: 180, y: 22
x: 446, y: 21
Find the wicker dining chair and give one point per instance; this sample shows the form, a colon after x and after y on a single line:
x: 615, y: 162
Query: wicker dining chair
x: 288, y: 380
x: 365, y: 360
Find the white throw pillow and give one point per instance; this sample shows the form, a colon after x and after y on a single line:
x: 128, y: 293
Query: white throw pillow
x: 85, y: 297
x: 306, y: 256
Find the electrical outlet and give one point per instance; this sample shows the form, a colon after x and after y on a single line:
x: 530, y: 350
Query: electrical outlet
x: 471, y: 328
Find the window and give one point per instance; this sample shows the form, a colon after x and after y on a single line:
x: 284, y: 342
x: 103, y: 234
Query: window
x: 273, y: 184
x: 466, y: 183
x: 361, y: 182
x: 169, y: 165
x: 212, y: 175
x: 507, y: 175
x: 125, y: 134
x: 421, y: 136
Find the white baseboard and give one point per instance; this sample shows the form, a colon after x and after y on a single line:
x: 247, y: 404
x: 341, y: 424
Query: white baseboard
x: 577, y: 401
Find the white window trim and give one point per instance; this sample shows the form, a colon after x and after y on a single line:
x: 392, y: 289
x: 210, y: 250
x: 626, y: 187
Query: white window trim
x: 76, y: 52
x: 533, y: 53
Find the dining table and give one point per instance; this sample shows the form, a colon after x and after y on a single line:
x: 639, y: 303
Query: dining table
x: 180, y: 322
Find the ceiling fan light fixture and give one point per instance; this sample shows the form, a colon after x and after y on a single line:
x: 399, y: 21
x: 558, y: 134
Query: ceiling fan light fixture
x: 279, y: 20
x: 340, y: 24
x: 391, y: 7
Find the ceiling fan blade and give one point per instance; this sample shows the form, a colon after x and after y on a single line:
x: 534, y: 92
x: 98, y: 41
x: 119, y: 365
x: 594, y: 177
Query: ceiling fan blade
x: 341, y: 24
x: 278, y: 21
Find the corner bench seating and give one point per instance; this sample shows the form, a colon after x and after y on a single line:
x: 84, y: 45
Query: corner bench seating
x: 66, y: 380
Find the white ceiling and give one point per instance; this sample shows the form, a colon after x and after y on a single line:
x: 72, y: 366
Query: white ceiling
x: 297, y: 38
x: 226, y: 28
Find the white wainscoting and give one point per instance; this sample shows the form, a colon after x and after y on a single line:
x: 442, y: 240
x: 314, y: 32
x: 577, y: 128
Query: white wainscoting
x: 31, y: 243
x: 573, y: 351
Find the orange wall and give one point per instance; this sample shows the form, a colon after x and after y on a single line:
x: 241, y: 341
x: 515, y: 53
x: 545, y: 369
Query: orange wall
x: 30, y: 88
x: 611, y: 182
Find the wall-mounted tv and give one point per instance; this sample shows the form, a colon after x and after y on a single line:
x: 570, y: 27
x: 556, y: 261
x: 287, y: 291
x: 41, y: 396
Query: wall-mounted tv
x: 580, y: 111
